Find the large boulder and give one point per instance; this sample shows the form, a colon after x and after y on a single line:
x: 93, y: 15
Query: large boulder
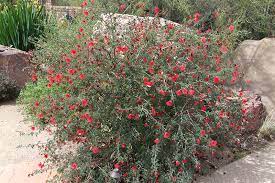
x: 257, y: 65
x: 124, y: 22
x: 14, y: 64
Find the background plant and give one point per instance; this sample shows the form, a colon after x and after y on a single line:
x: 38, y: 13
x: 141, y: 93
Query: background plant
x: 255, y: 18
x: 66, y: 3
x: 23, y: 24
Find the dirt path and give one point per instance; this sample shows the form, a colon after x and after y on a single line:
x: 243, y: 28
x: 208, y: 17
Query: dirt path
x: 258, y: 167
x: 16, y: 163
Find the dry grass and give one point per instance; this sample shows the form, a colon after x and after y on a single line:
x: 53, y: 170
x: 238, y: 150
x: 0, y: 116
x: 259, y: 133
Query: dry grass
x: 268, y: 128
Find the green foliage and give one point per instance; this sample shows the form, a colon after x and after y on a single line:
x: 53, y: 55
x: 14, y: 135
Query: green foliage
x: 8, y: 88
x: 23, y: 24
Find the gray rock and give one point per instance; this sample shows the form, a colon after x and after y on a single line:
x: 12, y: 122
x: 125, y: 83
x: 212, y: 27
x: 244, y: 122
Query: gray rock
x: 257, y: 64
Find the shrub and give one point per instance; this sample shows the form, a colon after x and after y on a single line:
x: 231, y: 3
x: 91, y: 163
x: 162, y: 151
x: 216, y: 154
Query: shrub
x: 150, y: 102
x: 23, y: 24
x: 8, y: 88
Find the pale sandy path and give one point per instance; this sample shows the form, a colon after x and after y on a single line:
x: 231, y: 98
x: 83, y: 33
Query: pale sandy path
x: 258, y: 167
x: 16, y: 163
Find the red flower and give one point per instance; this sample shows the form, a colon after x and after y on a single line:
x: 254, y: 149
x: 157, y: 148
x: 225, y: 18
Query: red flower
x: 122, y: 49
x: 90, y: 119
x: 151, y: 70
x: 80, y: 132
x: 197, y: 17
x: 185, y: 91
x: 198, y: 141
x: 123, y: 146
x: 52, y: 121
x: 74, y: 166
x: 232, y: 125
x: 131, y: 116
x: 184, y: 161
x: 166, y: 135
x: 181, y: 40
x: 191, y: 92
x: 95, y: 150
x: 145, y: 124
x: 223, y: 49
x: 216, y: 80
x: 175, y: 77
x: 203, y: 40
x: 67, y: 95
x: 71, y: 71
x: 203, y: 133
x: 84, y: 102
x: 84, y: 3
x: 170, y: 26
x: 32, y: 128
x: 244, y: 100
x: 73, y: 52
x: 122, y: 7
x: 134, y: 168
x: 156, y: 141
x: 169, y: 103
x: 203, y: 108
x: 244, y: 111
x: 36, y: 103
x: 231, y: 28
x: 177, y: 163
x: 34, y: 77
x: 182, y: 68
x: 179, y: 92
x: 162, y: 92
x: 40, y: 116
x: 82, y: 76
x: 87, y: 117
x: 85, y: 13
x: 213, y: 143
x: 91, y: 44
x: 147, y: 82
x: 72, y: 107
x: 81, y: 29
x: 46, y: 155
x: 156, y: 10
x: 117, y: 166
x: 40, y: 165
x: 58, y: 78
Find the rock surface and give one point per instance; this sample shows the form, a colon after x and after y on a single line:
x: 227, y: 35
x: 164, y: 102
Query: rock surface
x: 14, y: 64
x: 124, y: 22
x: 255, y: 114
x: 257, y: 64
